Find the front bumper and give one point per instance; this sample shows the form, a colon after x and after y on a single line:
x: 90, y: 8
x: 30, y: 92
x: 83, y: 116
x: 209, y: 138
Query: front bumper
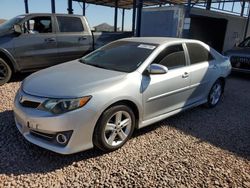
x: 81, y: 122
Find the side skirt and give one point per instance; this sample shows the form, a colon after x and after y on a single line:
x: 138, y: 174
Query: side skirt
x: 164, y: 116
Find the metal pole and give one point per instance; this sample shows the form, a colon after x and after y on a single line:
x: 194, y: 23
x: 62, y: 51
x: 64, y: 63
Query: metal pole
x: 83, y: 8
x: 243, y: 8
x: 134, y: 16
x: 139, y: 12
x: 209, y: 2
x: 70, y: 7
x: 53, y: 6
x: 26, y: 6
x: 247, y: 24
x: 188, y: 10
x: 123, y: 14
x: 115, y: 16
x: 187, y: 16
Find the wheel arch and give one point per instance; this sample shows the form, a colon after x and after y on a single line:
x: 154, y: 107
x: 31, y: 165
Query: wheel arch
x: 5, y: 55
x: 223, y: 81
x: 134, y: 107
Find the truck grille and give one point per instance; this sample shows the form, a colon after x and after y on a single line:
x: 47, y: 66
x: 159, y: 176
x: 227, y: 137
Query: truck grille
x: 240, y: 62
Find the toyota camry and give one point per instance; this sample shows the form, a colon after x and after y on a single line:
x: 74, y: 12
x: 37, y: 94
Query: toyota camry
x: 100, y: 99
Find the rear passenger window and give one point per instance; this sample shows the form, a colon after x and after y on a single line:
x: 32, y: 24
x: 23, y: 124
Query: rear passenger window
x: 70, y: 24
x: 172, y: 57
x: 198, y: 53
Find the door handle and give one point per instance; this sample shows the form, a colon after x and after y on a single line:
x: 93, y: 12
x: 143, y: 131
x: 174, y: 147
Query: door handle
x: 82, y: 38
x: 185, y: 75
x: 48, y: 40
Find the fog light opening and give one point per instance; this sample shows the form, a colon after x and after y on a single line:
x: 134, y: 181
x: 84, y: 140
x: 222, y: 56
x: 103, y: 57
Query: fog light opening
x: 61, y: 138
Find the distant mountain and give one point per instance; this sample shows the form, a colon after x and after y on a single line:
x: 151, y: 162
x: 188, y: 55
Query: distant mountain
x: 2, y: 20
x: 104, y: 27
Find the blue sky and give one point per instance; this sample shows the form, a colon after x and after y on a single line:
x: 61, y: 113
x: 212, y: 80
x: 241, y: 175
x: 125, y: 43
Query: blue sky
x: 95, y: 14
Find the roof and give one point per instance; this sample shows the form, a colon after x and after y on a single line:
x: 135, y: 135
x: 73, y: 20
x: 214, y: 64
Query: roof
x: 128, y: 4
x: 155, y: 40
x: 48, y: 14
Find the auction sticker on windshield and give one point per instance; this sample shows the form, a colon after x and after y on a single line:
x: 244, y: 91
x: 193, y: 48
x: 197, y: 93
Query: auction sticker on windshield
x: 146, y: 46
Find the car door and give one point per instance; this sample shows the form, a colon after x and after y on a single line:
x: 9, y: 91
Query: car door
x: 73, y: 37
x: 203, y: 71
x: 36, y: 47
x: 167, y: 92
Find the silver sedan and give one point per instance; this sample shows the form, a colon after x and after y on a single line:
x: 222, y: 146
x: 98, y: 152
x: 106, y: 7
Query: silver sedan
x: 101, y: 98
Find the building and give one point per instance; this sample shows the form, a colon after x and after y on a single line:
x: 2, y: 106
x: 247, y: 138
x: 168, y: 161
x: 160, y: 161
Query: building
x: 220, y: 30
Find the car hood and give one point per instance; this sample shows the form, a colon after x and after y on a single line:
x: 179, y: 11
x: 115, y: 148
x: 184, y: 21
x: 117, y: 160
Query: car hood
x: 238, y: 51
x: 4, y: 31
x: 70, y: 80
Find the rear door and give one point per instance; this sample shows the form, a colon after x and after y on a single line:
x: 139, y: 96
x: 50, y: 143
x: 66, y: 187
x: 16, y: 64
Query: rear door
x: 170, y: 91
x: 36, y: 47
x: 73, y: 37
x: 203, y: 71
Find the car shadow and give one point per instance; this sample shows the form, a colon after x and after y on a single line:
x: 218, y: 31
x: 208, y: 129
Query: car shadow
x: 18, y: 156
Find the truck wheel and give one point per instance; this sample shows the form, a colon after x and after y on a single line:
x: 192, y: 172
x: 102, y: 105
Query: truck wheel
x: 5, y: 72
x: 114, y: 128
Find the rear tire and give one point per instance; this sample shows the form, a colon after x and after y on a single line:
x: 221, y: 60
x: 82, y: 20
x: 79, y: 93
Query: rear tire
x: 215, y: 94
x: 114, y: 128
x: 5, y: 72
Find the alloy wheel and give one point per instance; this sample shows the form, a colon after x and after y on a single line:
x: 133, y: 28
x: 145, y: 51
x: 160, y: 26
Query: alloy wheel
x: 118, y: 128
x: 216, y: 94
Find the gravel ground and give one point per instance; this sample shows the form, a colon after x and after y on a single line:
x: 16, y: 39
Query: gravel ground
x: 198, y: 148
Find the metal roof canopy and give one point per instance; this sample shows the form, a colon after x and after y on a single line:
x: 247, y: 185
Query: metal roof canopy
x: 137, y: 6
x: 128, y: 4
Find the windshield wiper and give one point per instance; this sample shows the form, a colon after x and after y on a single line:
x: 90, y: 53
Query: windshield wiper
x: 94, y: 65
x: 99, y: 66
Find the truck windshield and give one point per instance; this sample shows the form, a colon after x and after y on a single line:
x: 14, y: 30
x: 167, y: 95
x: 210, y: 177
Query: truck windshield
x: 10, y: 23
x: 123, y: 56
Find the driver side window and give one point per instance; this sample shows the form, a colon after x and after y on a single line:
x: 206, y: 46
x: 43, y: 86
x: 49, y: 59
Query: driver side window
x: 172, y: 57
x: 41, y: 24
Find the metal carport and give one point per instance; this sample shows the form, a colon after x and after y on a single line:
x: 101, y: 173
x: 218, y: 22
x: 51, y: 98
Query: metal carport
x: 137, y: 6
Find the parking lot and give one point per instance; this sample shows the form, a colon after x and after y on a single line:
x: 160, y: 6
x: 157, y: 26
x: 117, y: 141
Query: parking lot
x: 198, y: 148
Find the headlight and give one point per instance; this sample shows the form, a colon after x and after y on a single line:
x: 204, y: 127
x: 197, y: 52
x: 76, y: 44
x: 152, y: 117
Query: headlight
x: 59, y: 106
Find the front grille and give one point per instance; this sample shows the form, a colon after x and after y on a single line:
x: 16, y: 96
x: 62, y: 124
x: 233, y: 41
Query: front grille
x: 29, y: 104
x: 45, y: 136
x: 240, y: 62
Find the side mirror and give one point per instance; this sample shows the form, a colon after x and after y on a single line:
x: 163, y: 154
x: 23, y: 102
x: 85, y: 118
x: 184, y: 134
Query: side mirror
x: 157, y: 69
x: 18, y: 28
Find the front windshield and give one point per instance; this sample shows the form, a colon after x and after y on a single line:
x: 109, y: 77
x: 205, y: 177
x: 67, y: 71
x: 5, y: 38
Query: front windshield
x: 245, y: 43
x: 124, y: 56
x: 10, y: 23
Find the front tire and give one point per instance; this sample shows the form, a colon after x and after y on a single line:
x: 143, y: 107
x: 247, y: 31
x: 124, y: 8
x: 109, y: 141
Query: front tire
x: 5, y: 72
x: 114, y: 128
x: 215, y: 94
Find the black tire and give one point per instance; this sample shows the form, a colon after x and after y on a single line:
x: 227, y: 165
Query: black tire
x: 5, y: 72
x: 210, y: 101
x: 99, y: 138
